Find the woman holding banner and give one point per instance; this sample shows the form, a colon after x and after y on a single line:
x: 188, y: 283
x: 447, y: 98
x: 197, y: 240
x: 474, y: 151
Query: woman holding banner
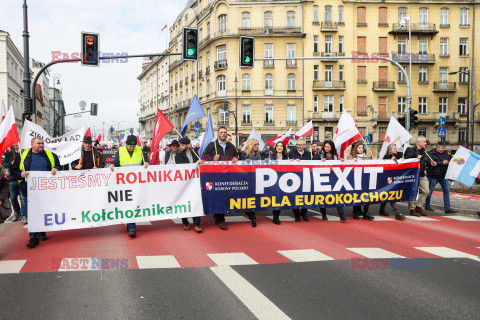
x: 279, y: 153
x: 391, y: 154
x: 251, y: 153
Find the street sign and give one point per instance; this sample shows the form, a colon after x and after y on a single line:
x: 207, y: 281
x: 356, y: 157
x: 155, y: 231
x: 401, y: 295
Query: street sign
x: 227, y: 114
x: 367, y: 140
x: 441, y: 121
x: 441, y: 132
x: 198, y: 124
x: 197, y: 132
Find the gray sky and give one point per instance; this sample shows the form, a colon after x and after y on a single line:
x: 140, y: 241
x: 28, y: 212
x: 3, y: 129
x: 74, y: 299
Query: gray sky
x: 124, y: 26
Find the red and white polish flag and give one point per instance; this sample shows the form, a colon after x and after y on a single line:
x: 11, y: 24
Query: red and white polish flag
x: 283, y: 138
x: 99, y: 138
x: 3, y: 111
x: 306, y: 131
x: 347, y: 133
x: 8, y: 132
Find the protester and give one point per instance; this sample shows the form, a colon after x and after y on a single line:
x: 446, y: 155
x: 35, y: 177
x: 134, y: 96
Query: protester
x: 279, y: 154
x: 35, y: 159
x: 170, y: 154
x: 145, y: 148
x: 358, y: 154
x: 242, y: 144
x: 130, y: 155
x: 91, y: 157
x: 5, y: 205
x: 330, y: 153
x: 220, y: 149
x: 315, y: 151
x: 436, y: 174
x: 229, y: 138
x: 300, y: 154
x: 7, y: 163
x: 391, y: 154
x: 185, y: 155
x: 252, y: 152
x: 267, y: 152
x: 418, y: 152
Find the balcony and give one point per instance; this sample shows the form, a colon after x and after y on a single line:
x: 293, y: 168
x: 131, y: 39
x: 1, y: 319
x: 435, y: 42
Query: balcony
x: 207, y: 70
x: 328, y: 26
x: 423, y: 58
x: 269, y: 92
x: 331, y: 55
x: 444, y: 86
x: 416, y: 29
x: 383, y: 85
x: 291, y: 63
x: 220, y: 65
x: 268, y: 63
x: 200, y: 74
x: 322, y: 85
x: 326, y: 116
x: 292, y: 122
x: 258, y: 31
x: 193, y: 77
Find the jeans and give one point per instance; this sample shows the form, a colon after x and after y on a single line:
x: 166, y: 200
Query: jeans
x: 196, y: 221
x: 24, y: 205
x: 445, y: 188
x: 14, y: 192
x: 131, y: 227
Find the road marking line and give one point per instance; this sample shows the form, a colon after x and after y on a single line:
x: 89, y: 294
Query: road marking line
x: 380, y: 218
x: 304, y: 255
x: 157, y: 262
x: 250, y: 296
x: 421, y: 218
x: 445, y: 252
x: 144, y: 223
x: 462, y: 218
x: 375, y: 253
x: 236, y: 219
x: 231, y: 259
x: 283, y: 218
x: 25, y: 226
x: 11, y: 266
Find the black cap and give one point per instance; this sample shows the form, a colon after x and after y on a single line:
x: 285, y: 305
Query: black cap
x: 184, y: 141
x: 132, y: 140
x: 174, y: 143
x: 87, y: 139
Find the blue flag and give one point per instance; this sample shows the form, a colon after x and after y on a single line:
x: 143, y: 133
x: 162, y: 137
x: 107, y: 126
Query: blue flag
x: 207, y: 137
x: 195, y: 112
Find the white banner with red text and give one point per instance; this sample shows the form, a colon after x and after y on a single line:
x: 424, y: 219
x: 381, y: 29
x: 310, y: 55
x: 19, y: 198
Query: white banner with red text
x: 100, y: 197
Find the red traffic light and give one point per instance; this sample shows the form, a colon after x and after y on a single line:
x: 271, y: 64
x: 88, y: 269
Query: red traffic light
x: 90, y: 40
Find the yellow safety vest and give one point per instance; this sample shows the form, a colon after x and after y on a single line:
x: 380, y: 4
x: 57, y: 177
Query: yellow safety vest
x: 49, y: 155
x: 135, y: 160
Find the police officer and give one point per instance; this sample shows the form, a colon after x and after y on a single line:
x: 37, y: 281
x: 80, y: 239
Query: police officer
x: 130, y: 155
x: 185, y: 155
x: 92, y: 157
x: 34, y: 159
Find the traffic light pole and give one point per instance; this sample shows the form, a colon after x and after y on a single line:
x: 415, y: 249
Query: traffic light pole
x: 29, y: 109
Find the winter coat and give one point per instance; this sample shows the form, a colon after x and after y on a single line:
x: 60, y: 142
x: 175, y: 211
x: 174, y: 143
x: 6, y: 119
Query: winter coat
x: 440, y: 170
x: 413, y: 153
x: 294, y: 154
x: 228, y: 155
x: 6, y: 206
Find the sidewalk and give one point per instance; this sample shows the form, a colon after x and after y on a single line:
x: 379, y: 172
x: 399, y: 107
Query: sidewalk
x: 464, y: 203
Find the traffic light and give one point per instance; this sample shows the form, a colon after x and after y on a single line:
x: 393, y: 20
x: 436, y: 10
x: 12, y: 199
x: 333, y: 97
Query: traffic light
x: 402, y: 121
x: 225, y: 105
x: 247, y: 48
x: 190, y: 44
x: 413, y: 118
x: 90, y: 49
x: 93, y: 109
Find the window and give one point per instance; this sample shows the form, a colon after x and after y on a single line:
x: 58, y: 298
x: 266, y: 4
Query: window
x: 361, y: 16
x: 463, y: 75
x: 315, y: 44
x: 208, y: 28
x: 340, y: 45
x: 423, y: 18
x: 315, y: 72
x: 422, y: 105
x: 315, y: 103
x: 222, y: 24
x: 200, y: 90
x: 462, y: 135
x: 328, y: 14
x: 443, y: 105
x: 222, y: 117
x: 340, y: 14
x: 328, y: 45
x: 268, y: 84
x: 463, y: 52
x: 402, y: 13
x: 362, y: 106
x: 316, y: 131
x: 328, y: 75
x: 422, y: 132
x: 382, y: 45
x: 328, y: 133
x: 221, y: 85
x: 222, y: 53
x: 245, y: 19
x: 462, y: 106
x: 208, y: 87
x: 315, y: 14
x: 291, y: 81
x: 443, y: 75
x: 246, y: 82
x: 382, y: 16
x: 361, y: 74
x: 362, y: 44
x: 444, y: 17
x: 402, y: 45
x: 341, y: 103
x: 290, y: 50
x: 423, y: 46
x: 422, y: 74
x: 268, y: 114
x: 382, y: 131
x: 328, y: 103
x: 268, y: 19
x: 291, y: 19
x: 443, y: 47
x: 464, y: 17
x: 340, y: 73
x: 247, y: 117
x: 291, y: 114
x: 208, y: 59
x: 402, y: 105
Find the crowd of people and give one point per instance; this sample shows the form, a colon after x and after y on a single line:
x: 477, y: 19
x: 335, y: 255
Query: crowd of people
x: 16, y: 166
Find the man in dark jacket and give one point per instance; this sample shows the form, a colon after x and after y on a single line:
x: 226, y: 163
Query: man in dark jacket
x: 34, y: 159
x: 92, y: 157
x: 436, y: 174
x: 185, y: 155
x: 419, y: 152
x: 7, y: 163
x: 220, y: 149
x: 170, y: 154
x: 299, y: 154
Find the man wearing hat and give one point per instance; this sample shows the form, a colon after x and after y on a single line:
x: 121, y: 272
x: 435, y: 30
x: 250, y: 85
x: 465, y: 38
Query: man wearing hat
x: 129, y: 155
x: 91, y: 158
x: 170, y: 155
x: 186, y: 155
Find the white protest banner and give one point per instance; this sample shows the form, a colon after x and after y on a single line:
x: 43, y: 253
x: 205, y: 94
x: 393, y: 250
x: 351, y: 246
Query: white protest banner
x: 67, y: 147
x: 100, y: 197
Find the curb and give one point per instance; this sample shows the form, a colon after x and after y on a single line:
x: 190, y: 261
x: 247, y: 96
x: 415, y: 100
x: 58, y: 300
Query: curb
x: 461, y: 211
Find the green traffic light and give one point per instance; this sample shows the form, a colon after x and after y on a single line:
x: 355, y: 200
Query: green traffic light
x: 248, y: 59
x: 191, y: 51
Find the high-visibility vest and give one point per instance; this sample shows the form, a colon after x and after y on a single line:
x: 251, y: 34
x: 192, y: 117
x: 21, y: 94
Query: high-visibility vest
x: 135, y: 160
x: 49, y: 155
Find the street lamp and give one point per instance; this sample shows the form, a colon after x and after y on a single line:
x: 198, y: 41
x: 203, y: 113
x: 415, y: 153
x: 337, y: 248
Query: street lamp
x: 403, y: 22
x: 468, y: 107
x: 56, y: 80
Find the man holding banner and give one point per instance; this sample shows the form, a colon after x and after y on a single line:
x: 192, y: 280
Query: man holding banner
x: 130, y: 155
x: 34, y: 159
